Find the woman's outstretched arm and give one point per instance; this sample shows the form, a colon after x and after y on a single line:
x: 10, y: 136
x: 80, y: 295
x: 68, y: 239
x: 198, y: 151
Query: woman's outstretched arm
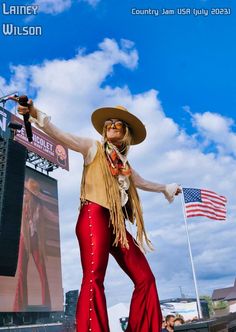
x: 43, y: 122
x: 169, y: 190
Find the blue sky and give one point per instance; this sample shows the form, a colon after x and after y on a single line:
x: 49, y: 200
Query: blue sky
x: 188, y: 59
x: 178, y: 74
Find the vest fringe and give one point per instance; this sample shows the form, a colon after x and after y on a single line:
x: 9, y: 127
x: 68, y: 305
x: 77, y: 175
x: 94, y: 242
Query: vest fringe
x: 141, y: 236
x: 117, y: 217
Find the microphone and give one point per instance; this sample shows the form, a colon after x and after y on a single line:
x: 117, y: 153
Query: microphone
x: 23, y: 101
x: 5, y: 98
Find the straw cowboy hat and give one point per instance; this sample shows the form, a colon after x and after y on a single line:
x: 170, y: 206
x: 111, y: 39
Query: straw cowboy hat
x: 137, y: 128
x: 34, y: 188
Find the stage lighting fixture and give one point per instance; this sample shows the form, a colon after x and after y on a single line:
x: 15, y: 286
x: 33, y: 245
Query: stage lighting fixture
x: 14, y: 125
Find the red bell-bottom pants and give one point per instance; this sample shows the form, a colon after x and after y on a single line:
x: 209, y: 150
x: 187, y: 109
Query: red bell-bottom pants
x: 21, y: 295
x: 95, y: 239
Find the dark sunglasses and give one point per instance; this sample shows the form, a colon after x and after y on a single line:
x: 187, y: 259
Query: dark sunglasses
x: 118, y: 124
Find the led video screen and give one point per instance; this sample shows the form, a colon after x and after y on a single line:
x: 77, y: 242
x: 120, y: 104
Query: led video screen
x: 37, y: 285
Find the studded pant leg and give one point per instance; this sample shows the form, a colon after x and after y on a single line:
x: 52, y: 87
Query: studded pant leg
x: 21, y: 295
x: 145, y: 314
x: 94, y: 236
x: 95, y: 239
x: 41, y: 267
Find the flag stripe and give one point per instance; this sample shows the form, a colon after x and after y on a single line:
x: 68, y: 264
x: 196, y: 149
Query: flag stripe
x: 221, y: 201
x: 205, y: 198
x: 217, y: 214
x: 211, y: 211
x: 204, y: 215
x: 189, y: 206
x: 212, y: 192
x: 192, y: 206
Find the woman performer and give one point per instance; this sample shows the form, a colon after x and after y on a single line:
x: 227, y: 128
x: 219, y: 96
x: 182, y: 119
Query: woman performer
x: 109, y: 198
x: 35, y: 215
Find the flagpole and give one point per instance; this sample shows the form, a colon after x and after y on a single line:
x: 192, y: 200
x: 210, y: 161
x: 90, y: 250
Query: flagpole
x: 191, y: 259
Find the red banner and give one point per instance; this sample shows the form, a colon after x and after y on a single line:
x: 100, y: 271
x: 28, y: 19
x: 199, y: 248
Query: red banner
x: 45, y: 146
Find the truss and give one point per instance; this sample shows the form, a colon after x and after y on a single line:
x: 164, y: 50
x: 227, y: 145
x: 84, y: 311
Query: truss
x: 38, y: 162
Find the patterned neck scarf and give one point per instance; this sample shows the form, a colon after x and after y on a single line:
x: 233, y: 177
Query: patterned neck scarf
x: 118, y: 162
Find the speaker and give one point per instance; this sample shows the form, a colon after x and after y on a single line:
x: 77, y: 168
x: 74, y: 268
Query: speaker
x: 12, y: 174
x: 71, y: 301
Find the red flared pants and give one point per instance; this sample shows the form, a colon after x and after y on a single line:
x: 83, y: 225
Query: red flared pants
x: 95, y: 239
x: 21, y: 295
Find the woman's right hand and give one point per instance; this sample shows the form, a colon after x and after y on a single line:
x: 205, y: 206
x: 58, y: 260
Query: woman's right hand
x: 25, y: 109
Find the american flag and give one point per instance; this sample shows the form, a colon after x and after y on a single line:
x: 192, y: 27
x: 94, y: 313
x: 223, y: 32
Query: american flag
x: 204, y: 203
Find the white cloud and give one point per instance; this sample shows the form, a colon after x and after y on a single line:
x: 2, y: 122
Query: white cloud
x: 18, y: 80
x: 74, y: 84
x: 53, y: 6
x: 217, y: 129
x: 69, y: 90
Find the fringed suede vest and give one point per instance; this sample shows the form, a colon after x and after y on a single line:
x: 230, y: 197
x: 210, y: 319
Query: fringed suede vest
x: 100, y: 186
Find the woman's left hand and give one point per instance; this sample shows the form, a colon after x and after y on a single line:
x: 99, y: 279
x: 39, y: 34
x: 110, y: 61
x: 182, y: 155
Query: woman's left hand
x: 178, y: 191
x: 172, y: 190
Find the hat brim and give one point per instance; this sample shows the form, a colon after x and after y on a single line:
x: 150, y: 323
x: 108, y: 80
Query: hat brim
x: 137, y: 128
x: 41, y: 195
